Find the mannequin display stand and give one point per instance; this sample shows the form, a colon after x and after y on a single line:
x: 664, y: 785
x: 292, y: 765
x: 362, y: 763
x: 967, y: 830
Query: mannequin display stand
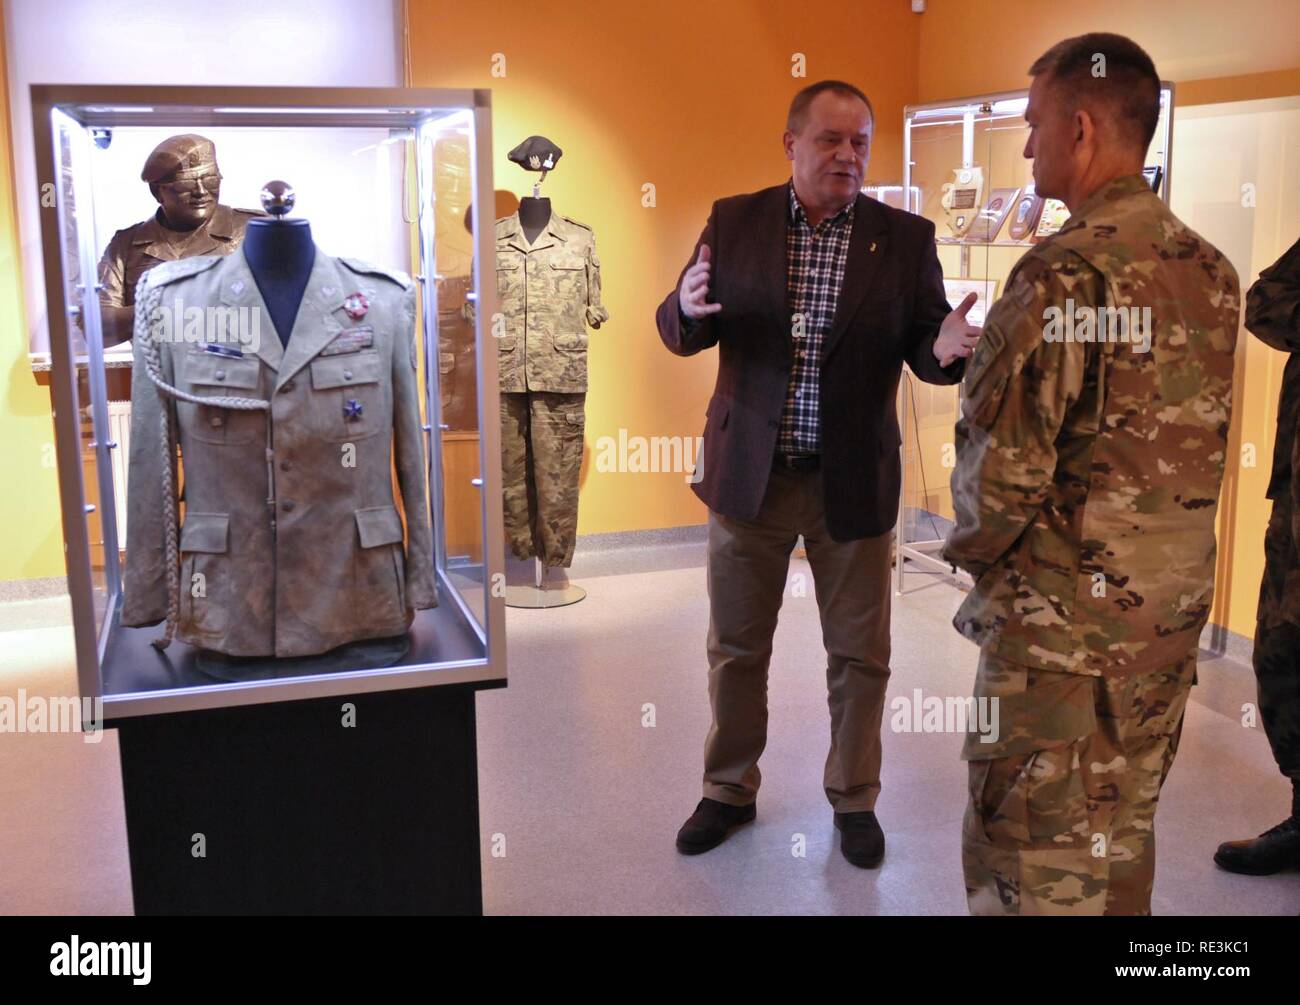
x: 529, y: 583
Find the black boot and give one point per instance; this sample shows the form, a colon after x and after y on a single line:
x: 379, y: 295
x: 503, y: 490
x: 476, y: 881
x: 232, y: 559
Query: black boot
x: 862, y: 841
x: 1273, y: 851
x: 710, y: 825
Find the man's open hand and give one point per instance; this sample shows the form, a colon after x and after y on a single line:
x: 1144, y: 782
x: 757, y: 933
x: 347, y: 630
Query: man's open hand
x: 957, y: 336
x: 695, y: 288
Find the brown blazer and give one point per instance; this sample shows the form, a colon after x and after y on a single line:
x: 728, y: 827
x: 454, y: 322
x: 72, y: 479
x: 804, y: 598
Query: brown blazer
x: 889, y: 310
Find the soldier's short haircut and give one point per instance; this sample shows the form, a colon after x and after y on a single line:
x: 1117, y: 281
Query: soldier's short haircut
x: 1110, y: 74
x: 797, y: 117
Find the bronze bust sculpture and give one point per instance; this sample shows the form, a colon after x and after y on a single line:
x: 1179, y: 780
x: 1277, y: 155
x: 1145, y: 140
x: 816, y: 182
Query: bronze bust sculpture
x: 183, y: 177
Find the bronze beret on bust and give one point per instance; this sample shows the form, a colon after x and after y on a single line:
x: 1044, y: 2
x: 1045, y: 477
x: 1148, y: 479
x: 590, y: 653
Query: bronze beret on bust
x: 187, y: 154
x: 536, y: 153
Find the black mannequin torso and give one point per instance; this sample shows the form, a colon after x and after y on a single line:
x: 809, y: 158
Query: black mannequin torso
x: 280, y: 254
x: 534, y: 215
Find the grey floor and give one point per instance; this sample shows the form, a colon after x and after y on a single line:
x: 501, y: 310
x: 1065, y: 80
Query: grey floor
x: 590, y: 760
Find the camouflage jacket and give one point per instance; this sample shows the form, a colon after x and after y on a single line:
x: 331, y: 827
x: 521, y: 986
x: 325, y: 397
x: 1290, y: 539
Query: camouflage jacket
x: 291, y: 521
x: 1088, y: 471
x: 549, y: 293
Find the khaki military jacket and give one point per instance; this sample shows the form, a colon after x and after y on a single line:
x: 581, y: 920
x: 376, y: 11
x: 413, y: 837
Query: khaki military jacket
x: 1088, y: 472
x: 290, y: 524
x: 135, y: 250
x: 549, y: 293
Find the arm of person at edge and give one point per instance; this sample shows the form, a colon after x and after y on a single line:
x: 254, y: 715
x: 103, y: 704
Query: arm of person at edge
x: 1273, y: 303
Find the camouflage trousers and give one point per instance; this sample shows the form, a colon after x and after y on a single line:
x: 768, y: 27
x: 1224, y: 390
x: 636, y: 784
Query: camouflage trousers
x: 1061, y: 816
x: 1277, y: 643
x: 541, y: 458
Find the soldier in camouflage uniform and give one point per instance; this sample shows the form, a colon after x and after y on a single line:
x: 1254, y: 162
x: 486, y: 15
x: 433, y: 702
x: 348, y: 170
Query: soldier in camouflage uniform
x: 1273, y: 315
x: 1088, y: 471
x: 549, y: 292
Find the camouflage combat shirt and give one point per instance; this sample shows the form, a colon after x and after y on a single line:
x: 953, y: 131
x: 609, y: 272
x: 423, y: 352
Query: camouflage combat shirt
x: 1088, y: 472
x: 549, y: 292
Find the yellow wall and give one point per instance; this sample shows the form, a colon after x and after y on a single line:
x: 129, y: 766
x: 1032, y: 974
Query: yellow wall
x: 29, y: 500
x: 690, y: 97
x: 974, y: 46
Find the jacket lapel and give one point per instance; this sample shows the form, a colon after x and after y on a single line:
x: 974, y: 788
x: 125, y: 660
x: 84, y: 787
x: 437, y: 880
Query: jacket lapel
x: 772, y: 294
x: 867, y: 249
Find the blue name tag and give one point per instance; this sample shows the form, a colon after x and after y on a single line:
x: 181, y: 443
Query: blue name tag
x: 230, y: 351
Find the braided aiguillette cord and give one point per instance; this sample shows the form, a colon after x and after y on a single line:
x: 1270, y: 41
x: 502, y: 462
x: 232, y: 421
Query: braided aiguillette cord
x: 146, y: 305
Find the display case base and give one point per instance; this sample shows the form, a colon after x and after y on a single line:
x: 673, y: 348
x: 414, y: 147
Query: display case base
x: 356, y: 805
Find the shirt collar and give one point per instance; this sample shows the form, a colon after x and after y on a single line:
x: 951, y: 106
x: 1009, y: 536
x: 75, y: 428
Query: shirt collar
x: 1117, y: 188
x: 797, y: 214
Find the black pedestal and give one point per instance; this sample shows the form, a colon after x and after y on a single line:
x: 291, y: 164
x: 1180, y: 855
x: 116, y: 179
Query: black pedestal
x: 301, y: 814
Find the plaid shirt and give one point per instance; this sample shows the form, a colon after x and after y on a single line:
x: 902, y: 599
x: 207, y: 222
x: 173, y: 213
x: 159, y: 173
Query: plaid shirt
x: 815, y: 258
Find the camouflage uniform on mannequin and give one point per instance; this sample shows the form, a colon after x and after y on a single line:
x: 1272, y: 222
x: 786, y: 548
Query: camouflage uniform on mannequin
x: 549, y: 288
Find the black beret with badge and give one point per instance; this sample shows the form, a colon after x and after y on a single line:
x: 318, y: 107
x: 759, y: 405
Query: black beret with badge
x: 536, y: 153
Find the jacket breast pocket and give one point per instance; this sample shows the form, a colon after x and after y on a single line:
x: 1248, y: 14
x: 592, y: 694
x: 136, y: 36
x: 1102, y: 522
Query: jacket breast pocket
x: 204, y: 544
x: 569, y: 279
x: 510, y: 279
x: 208, y: 375
x: 348, y: 398
x: 380, y: 581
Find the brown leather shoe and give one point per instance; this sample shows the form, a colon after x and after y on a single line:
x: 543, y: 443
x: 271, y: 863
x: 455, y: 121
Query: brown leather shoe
x: 710, y: 825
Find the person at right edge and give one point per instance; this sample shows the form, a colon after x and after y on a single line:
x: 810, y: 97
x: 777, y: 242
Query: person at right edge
x: 1273, y: 316
x: 1085, y: 490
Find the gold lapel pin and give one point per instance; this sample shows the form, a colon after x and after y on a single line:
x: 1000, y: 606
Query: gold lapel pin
x: 873, y: 246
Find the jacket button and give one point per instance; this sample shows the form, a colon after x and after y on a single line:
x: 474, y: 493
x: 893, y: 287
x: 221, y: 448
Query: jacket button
x: 220, y: 375
x: 347, y: 374
x: 285, y: 465
x: 216, y: 420
x: 287, y: 505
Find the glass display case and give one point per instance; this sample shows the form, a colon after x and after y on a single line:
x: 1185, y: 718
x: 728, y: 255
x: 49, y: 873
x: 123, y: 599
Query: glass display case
x: 395, y: 181
x: 964, y: 167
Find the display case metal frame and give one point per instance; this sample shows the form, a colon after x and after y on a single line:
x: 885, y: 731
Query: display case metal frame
x: 264, y: 107
x: 924, y: 552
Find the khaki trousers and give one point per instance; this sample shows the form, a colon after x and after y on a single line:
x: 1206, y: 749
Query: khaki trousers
x: 541, y: 464
x: 747, y: 566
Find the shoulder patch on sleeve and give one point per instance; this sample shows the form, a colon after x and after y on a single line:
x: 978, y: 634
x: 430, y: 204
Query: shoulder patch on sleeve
x: 366, y: 269
x: 182, y: 268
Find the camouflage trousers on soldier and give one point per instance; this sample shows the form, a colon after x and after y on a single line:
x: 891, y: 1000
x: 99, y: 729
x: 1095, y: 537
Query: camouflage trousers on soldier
x: 541, y: 457
x: 1061, y: 817
x: 1277, y: 643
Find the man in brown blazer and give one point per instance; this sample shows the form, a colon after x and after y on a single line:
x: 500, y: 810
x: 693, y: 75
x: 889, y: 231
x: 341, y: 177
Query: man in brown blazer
x: 815, y: 296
